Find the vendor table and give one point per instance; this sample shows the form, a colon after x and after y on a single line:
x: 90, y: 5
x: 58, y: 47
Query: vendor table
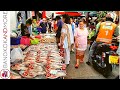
x: 41, y: 61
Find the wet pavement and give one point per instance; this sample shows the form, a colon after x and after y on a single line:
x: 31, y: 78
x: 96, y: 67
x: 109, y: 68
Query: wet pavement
x: 85, y: 71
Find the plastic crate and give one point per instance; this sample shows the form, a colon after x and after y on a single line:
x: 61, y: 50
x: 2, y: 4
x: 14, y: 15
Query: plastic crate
x: 25, y: 40
x: 15, y: 41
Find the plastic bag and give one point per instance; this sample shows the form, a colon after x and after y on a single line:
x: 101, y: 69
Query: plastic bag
x: 91, y: 34
x: 13, y: 34
x: 17, y: 32
x: 16, y: 54
x: 35, y: 41
x: 38, y: 36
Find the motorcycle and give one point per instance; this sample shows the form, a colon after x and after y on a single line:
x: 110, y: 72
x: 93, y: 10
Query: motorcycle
x: 104, y: 57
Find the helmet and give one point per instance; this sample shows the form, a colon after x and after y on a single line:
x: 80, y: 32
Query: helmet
x: 111, y: 15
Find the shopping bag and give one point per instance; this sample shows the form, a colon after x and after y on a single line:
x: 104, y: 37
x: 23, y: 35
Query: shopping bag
x: 91, y: 34
x: 25, y: 40
x: 68, y: 37
x: 35, y: 41
x: 35, y: 31
x: 17, y: 32
x: 16, y: 55
x: 38, y: 36
x: 61, y: 51
x: 13, y: 34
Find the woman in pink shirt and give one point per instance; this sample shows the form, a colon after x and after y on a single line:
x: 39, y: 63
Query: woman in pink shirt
x: 81, y: 34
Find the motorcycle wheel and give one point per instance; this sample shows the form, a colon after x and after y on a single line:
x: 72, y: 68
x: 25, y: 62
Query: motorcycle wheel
x: 104, y: 71
x: 94, y: 64
x: 107, y: 71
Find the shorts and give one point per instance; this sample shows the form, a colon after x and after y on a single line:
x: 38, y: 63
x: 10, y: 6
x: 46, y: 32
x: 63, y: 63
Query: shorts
x: 79, y: 53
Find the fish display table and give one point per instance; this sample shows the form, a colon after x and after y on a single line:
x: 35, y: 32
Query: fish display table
x: 42, y: 61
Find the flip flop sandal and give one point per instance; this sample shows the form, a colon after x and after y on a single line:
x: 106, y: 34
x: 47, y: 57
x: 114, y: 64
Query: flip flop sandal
x: 77, y: 65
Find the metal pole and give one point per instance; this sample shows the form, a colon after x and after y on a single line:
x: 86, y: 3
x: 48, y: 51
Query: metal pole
x: 31, y: 25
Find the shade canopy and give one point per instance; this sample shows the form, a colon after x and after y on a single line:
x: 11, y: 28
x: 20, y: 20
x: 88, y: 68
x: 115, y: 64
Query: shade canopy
x: 70, y: 13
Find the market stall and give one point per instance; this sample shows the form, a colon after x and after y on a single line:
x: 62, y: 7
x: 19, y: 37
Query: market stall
x: 41, y: 61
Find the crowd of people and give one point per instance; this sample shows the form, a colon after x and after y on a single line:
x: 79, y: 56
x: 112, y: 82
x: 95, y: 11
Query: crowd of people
x: 75, y: 35
x: 72, y: 34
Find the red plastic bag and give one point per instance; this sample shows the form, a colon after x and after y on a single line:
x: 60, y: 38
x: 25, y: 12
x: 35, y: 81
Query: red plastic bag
x: 62, y: 53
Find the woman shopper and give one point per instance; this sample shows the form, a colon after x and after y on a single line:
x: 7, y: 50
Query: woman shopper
x: 58, y: 28
x: 19, y: 22
x: 43, y: 26
x: 34, y: 27
x: 80, y: 42
x: 25, y: 31
x: 73, y: 30
x: 29, y: 25
x: 73, y: 25
x: 65, y: 38
x: 71, y: 34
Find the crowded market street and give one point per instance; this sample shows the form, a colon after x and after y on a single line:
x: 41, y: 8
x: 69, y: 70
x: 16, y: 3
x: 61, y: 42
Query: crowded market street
x: 64, y: 45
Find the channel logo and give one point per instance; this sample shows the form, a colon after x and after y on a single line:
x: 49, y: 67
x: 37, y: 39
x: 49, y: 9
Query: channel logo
x: 5, y: 74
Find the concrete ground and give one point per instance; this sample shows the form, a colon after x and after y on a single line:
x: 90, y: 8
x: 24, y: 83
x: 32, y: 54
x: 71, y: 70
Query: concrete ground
x: 85, y: 71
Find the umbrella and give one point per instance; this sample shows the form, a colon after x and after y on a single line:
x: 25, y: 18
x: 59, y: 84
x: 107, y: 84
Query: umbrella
x: 70, y: 13
x: 93, y: 14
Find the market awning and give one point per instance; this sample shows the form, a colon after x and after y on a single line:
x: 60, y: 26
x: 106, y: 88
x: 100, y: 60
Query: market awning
x: 70, y: 13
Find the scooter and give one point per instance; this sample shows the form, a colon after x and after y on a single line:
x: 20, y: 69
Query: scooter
x: 104, y: 57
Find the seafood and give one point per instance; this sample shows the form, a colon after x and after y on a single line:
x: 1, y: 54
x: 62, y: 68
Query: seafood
x: 14, y: 75
x: 42, y: 59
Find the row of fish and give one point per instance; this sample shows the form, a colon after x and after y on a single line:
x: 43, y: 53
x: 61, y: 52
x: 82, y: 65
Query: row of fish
x: 41, y: 59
